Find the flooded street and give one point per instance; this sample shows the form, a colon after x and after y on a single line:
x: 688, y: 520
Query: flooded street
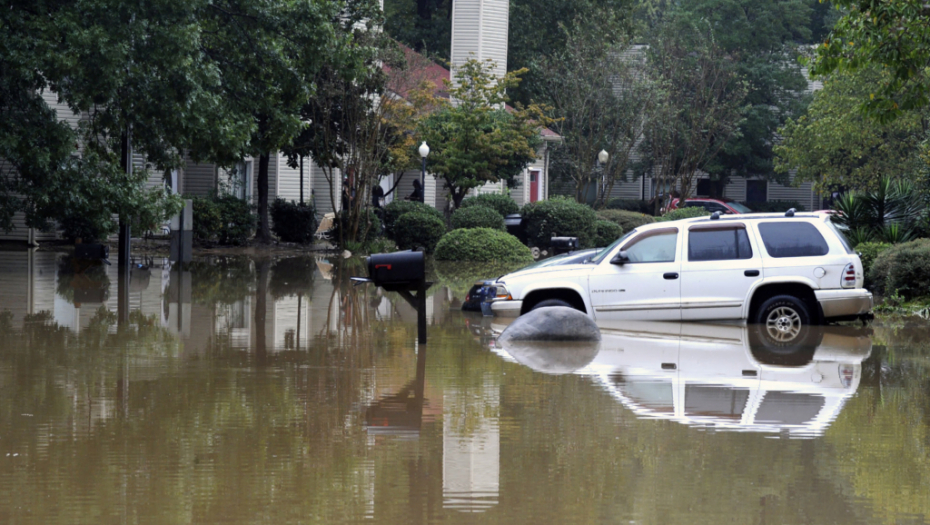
x: 274, y: 391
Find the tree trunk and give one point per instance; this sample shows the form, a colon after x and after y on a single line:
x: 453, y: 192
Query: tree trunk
x: 264, y: 226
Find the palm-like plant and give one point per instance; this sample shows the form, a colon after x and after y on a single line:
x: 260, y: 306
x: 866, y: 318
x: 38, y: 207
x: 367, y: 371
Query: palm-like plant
x: 889, y: 213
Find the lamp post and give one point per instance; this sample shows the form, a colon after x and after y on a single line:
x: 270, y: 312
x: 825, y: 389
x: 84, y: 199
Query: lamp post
x: 602, y: 158
x: 424, y: 151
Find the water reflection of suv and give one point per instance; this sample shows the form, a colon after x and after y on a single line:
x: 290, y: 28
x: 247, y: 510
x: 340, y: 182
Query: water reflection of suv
x: 721, y: 376
x: 781, y: 270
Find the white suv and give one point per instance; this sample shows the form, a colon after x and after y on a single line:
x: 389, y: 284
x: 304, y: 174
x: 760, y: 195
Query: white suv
x: 785, y: 271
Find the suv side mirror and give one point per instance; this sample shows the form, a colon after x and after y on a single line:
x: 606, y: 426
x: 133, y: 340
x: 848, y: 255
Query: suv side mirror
x: 620, y: 259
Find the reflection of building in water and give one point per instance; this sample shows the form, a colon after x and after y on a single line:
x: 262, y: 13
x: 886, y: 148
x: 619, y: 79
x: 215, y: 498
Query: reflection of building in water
x: 471, y: 448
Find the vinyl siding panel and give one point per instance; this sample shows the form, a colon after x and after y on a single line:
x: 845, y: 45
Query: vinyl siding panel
x: 289, y: 179
x: 480, y: 30
x: 321, y: 191
x: 199, y: 178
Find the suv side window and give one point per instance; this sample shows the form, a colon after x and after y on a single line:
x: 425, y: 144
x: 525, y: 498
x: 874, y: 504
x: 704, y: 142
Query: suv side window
x: 719, y: 244
x: 792, y: 239
x: 653, y: 246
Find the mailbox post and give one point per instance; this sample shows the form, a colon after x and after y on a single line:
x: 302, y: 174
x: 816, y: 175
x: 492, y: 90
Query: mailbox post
x: 404, y: 273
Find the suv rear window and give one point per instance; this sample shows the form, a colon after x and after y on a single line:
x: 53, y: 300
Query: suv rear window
x: 792, y: 239
x: 718, y: 244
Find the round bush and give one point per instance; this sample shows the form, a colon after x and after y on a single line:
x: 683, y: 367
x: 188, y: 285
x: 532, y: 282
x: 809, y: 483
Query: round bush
x: 477, y: 217
x: 558, y: 217
x: 237, y: 222
x: 502, y: 203
x: 683, y: 213
x: 606, y: 232
x: 868, y: 251
x: 418, y: 230
x: 626, y: 220
x: 904, y: 269
x: 394, y: 210
x: 292, y: 221
x: 482, y: 245
x: 369, y: 227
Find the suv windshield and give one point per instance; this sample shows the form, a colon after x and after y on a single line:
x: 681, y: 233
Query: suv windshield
x: 607, y: 250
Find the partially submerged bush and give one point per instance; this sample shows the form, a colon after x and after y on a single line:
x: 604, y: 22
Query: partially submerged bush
x: 606, y: 232
x: 502, y: 203
x: 394, y: 210
x: 639, y: 206
x: 459, y: 276
x: 683, y: 213
x: 369, y: 227
x: 626, y: 220
x: 477, y: 217
x: 418, y: 229
x: 868, y: 252
x: 903, y: 269
x: 207, y: 220
x: 482, y: 245
x: 237, y: 220
x: 558, y: 217
x: 293, y: 221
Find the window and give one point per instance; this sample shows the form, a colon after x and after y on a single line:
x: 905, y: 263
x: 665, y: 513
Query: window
x: 792, y: 239
x: 756, y: 190
x: 715, y: 401
x: 703, y: 187
x: 653, y: 246
x: 719, y: 244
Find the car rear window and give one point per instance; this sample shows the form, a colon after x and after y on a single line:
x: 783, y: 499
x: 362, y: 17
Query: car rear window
x: 718, y: 244
x: 792, y: 239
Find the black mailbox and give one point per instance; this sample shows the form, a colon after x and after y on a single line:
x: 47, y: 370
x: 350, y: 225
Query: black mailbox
x: 563, y: 244
x: 399, y: 270
x: 92, y: 251
x: 514, y: 224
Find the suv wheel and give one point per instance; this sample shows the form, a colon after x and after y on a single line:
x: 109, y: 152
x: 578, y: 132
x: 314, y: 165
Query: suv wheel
x: 783, y: 317
x: 551, y: 302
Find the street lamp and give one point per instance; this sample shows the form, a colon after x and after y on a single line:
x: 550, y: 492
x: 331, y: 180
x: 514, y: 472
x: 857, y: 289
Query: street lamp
x: 424, y: 151
x: 603, y: 156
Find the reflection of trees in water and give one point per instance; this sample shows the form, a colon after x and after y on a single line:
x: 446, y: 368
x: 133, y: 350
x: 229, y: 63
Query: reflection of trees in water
x: 86, y: 278
x: 459, y: 277
x: 221, y: 280
x: 292, y: 276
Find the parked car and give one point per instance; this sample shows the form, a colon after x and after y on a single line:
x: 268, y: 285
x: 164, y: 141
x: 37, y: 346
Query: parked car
x: 783, y: 270
x: 711, y: 205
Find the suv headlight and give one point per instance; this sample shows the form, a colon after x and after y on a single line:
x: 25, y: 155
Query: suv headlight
x: 501, y: 293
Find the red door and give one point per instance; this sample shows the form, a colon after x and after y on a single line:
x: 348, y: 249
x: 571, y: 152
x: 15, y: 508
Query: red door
x: 534, y: 185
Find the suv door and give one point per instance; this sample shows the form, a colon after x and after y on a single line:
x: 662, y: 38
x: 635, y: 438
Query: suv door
x: 720, y: 266
x: 645, y: 287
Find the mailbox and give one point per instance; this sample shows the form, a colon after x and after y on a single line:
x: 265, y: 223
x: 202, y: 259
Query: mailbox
x: 563, y: 244
x: 395, y: 271
x: 92, y: 251
x: 514, y: 224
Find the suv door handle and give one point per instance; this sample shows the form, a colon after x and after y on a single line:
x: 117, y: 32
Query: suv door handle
x: 671, y: 275
x: 751, y: 273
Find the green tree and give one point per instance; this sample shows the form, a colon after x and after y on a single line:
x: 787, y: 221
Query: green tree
x: 476, y: 139
x: 837, y: 147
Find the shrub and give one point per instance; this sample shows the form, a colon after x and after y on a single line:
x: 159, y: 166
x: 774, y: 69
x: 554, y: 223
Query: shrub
x: 502, y: 203
x: 558, y: 217
x: 773, y: 206
x: 394, y: 210
x: 418, y: 229
x: 74, y: 227
x: 369, y: 227
x: 606, y: 232
x: 292, y: 221
x: 459, y: 277
x: 207, y: 219
x: 639, y: 206
x: 477, y: 217
x: 482, y: 245
x: 868, y: 251
x: 237, y: 222
x: 903, y: 269
x: 626, y: 220
x: 683, y: 213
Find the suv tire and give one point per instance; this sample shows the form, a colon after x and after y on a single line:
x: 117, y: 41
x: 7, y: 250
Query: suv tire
x: 551, y: 302
x: 783, y: 319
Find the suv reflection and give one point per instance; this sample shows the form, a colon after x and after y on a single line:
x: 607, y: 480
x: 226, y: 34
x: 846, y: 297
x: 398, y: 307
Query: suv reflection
x: 726, y: 377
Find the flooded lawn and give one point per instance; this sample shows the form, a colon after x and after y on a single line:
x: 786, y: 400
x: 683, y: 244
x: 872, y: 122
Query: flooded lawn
x: 274, y: 391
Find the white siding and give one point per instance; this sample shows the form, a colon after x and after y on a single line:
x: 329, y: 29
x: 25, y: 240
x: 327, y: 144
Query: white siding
x: 479, y: 30
x: 199, y: 178
x: 289, y: 179
x: 321, y: 189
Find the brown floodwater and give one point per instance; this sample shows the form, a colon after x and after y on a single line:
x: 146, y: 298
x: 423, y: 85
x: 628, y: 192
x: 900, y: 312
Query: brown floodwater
x: 241, y: 390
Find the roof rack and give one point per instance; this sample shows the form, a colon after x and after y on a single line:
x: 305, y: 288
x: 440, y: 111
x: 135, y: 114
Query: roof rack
x: 790, y: 213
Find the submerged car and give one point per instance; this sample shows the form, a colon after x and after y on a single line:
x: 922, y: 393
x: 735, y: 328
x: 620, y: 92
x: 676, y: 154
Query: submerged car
x: 784, y: 270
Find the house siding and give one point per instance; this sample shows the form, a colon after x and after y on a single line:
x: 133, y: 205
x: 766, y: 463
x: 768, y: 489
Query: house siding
x: 479, y: 30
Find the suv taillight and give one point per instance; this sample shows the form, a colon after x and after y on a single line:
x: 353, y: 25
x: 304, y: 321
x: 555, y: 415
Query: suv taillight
x: 848, y: 279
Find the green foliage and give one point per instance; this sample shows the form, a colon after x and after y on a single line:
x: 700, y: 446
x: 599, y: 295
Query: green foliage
x: 890, y: 212
x: 558, y: 217
x: 683, y: 213
x: 292, y: 221
x: 868, y: 252
x: 502, y: 203
x: 482, y: 245
x: 76, y: 227
x: 237, y: 220
x: 399, y: 207
x: 773, y: 206
x: 903, y: 269
x: 627, y: 220
x: 207, y: 219
x: 417, y: 229
x: 459, y: 276
x: 606, y: 232
x: 477, y: 217
x: 221, y: 280
x: 292, y: 276
x: 640, y: 206
x: 369, y: 227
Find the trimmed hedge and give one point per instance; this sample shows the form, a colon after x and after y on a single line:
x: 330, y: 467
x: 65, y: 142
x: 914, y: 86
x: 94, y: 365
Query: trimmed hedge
x: 369, y: 226
x: 394, y: 210
x: 904, y: 269
x: 606, y: 232
x: 639, y: 206
x: 482, y: 245
x: 478, y: 216
x: 627, y: 220
x: 502, y: 203
x: 868, y: 252
x: 558, y: 217
x: 418, y: 229
x: 292, y: 221
x: 683, y: 213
